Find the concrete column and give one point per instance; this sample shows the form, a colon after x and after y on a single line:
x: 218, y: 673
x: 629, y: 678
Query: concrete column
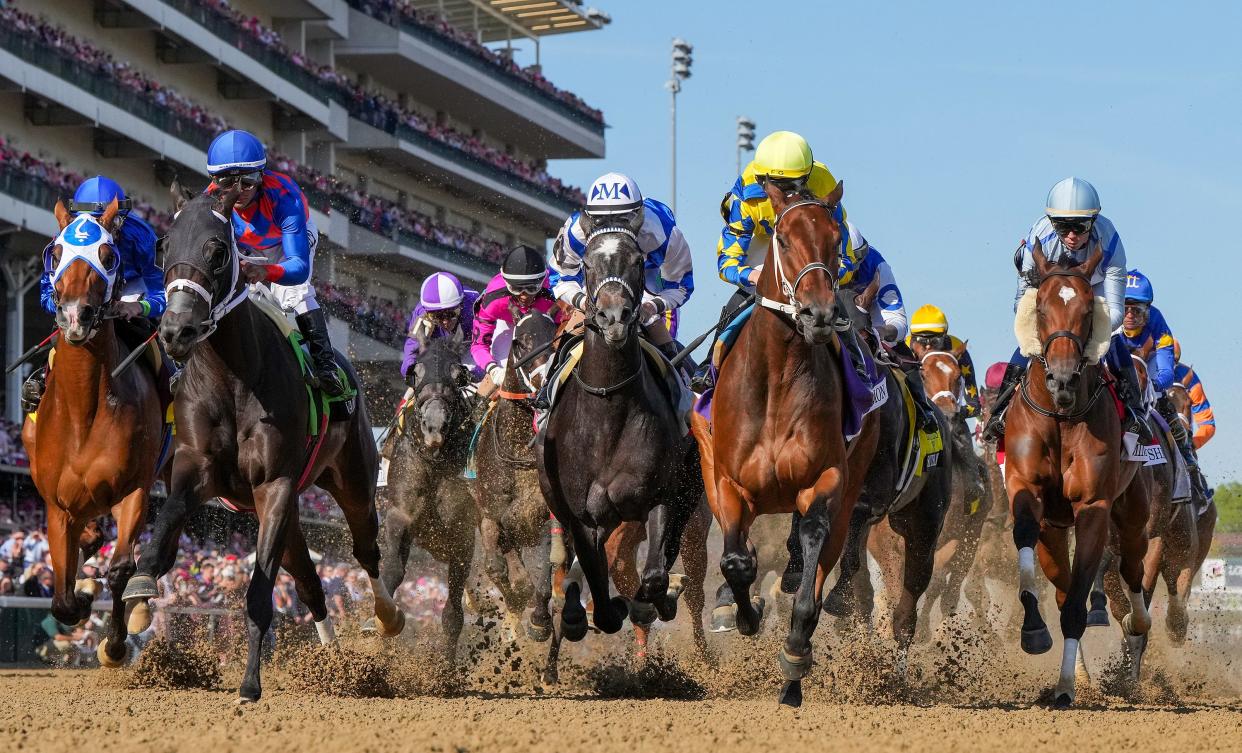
x: 20, y: 275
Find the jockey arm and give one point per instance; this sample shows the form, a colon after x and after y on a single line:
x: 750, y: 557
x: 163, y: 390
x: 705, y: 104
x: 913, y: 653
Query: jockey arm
x: 971, y: 392
x: 413, y: 346
x: 565, y: 267
x: 294, y: 266
x: 676, y: 274
x: 1160, y: 364
x: 1200, y: 408
x: 485, y: 321
x: 136, y: 241
x: 734, y: 244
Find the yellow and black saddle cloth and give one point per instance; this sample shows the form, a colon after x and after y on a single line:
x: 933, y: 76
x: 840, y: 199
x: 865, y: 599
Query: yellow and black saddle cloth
x: 675, y: 389
x: 922, y: 450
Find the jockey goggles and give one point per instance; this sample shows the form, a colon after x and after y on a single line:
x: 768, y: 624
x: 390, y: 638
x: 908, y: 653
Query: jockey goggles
x: 444, y: 315
x: 245, y: 180
x: 1067, y: 225
x: 1136, y: 308
x: 528, y: 288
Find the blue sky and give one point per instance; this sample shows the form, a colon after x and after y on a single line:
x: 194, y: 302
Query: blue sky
x: 948, y: 123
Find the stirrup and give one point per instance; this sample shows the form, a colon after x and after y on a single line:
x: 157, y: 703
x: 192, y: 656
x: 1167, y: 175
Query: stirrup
x: 702, y: 380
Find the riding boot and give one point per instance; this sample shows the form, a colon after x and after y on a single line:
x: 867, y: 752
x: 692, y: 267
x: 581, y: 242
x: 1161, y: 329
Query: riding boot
x: 850, y: 340
x: 32, y: 390
x: 1182, y: 437
x: 1009, y: 385
x: 1128, y: 393
x: 314, y: 328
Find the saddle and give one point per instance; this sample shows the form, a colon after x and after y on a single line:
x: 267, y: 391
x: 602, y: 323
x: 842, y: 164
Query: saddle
x: 923, y: 449
x: 338, y: 408
x: 672, y: 383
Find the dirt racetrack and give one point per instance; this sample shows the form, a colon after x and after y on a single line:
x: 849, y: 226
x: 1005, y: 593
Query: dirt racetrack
x: 964, y: 693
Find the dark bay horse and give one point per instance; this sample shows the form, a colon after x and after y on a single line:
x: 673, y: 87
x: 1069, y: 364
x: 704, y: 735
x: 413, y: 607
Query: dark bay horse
x: 776, y: 442
x: 95, y: 443
x: 971, y: 503
x: 242, y: 414
x: 1063, y: 463
x: 914, y: 509
x: 513, y: 514
x: 613, y: 450
x: 428, y: 500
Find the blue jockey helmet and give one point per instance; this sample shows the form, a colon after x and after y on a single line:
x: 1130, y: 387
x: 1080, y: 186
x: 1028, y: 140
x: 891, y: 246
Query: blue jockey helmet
x: 95, y: 194
x: 1138, y: 287
x: 236, y: 152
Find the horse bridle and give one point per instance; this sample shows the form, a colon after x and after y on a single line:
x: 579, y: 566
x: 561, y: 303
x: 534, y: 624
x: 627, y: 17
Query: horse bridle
x: 217, y: 311
x: 954, y: 395
x: 528, y: 378
x: 1080, y: 343
x: 789, y: 289
x: 636, y: 311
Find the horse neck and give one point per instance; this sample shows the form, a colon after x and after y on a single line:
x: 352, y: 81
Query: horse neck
x: 236, y: 343
x: 785, y: 355
x: 602, y: 365
x: 83, y: 373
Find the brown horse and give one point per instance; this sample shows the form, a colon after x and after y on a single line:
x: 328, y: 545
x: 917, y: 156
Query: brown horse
x: 1063, y: 464
x: 1206, y: 523
x: 776, y: 443
x: 971, y: 501
x: 96, y: 440
x: 242, y: 414
x: 1173, y: 540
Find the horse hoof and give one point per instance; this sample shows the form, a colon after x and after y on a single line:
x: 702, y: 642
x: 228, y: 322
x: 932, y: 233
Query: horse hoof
x: 370, y: 627
x: 140, y: 587
x: 724, y: 618
x: 246, y: 701
x: 642, y: 613
x: 794, y: 668
x: 1036, y: 642
x: 790, y: 581
x: 836, y: 604
x: 393, y: 630
x: 539, y: 633
x: 139, y: 618
x: 101, y: 652
x: 612, y: 616
x: 551, y: 676
x: 757, y: 604
x: 1129, y: 629
x: 88, y: 586
x: 791, y: 694
x: 1098, y: 616
x: 1063, y: 701
x: 573, y: 624
x: 676, y: 585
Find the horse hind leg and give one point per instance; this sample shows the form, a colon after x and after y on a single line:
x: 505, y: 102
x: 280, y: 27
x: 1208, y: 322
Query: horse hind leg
x: 496, y: 566
x: 622, y: 551
x: 453, y: 617
x: 1130, y: 516
x: 694, y: 557
x: 297, y: 562
x: 842, y: 599
x: 384, y: 573
x: 540, y: 627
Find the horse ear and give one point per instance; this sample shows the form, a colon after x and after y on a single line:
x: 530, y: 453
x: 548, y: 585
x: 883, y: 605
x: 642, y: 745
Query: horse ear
x: 960, y: 350
x: 588, y: 223
x: 834, y: 196
x: 63, y: 218
x: 776, y: 196
x: 109, y: 215
x: 1093, y: 261
x: 1041, y: 261
x: 180, y: 195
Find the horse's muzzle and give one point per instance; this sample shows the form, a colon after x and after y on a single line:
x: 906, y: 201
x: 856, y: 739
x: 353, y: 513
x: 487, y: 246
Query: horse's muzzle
x: 814, y: 322
x: 178, y: 333
x: 613, y: 324
x: 1063, y: 387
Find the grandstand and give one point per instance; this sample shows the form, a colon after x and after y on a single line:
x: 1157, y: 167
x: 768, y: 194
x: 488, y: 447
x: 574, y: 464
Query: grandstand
x: 419, y: 137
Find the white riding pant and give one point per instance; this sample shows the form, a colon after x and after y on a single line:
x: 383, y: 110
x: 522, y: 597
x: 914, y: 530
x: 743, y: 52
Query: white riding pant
x: 294, y: 299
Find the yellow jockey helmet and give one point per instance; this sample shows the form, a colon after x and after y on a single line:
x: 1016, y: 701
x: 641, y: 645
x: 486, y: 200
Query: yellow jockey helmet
x: 783, y: 155
x: 929, y: 319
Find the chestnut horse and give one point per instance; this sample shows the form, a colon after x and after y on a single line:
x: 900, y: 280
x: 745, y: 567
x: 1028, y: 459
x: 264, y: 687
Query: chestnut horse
x: 242, y: 414
x: 971, y: 501
x: 1206, y: 523
x: 776, y: 443
x: 96, y: 439
x: 1063, y: 462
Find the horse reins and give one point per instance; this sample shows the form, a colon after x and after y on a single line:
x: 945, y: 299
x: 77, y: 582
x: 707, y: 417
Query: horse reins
x: 629, y: 322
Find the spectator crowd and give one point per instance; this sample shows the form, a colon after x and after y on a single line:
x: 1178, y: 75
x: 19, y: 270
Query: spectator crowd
x: 372, y: 316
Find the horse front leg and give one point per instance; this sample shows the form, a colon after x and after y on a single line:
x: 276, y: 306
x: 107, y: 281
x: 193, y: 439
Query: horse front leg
x: 664, y: 533
x: 609, y: 611
x: 817, y: 505
x: 842, y: 598
x: 540, y: 628
x: 1090, y: 539
x: 453, y: 616
x: 275, y: 504
x: 130, y: 514
x: 694, y: 557
x: 1027, y: 511
x: 737, y: 562
x: 1130, y: 515
x: 71, y: 600
x: 186, y: 492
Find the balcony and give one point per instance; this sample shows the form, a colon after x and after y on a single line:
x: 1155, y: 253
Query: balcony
x: 452, y: 78
x: 405, y: 252
x: 409, y: 148
x: 248, y: 69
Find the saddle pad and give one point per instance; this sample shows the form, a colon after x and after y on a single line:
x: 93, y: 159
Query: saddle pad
x: 861, y: 397
x: 923, y: 450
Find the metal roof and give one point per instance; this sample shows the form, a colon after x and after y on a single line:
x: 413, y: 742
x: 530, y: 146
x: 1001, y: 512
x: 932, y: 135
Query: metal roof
x: 499, y: 20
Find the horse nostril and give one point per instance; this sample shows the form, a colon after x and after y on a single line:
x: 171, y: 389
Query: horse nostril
x: 625, y: 313
x: 186, y: 332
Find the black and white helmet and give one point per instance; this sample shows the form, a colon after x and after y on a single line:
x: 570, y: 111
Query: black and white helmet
x: 524, y: 268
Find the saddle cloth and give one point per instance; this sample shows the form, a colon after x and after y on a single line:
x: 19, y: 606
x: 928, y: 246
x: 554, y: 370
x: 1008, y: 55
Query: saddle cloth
x: 922, y: 449
x: 675, y: 388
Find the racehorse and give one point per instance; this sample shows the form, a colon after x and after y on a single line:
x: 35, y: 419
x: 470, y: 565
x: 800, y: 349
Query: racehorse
x: 512, y: 513
x: 429, y: 500
x: 1063, y: 463
x: 971, y: 502
x: 914, y: 508
x: 242, y: 413
x: 613, y: 449
x: 1172, y: 535
x: 1207, y: 513
x: 96, y: 439
x: 776, y: 441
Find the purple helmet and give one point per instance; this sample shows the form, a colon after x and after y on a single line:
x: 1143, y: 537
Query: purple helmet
x: 441, y: 291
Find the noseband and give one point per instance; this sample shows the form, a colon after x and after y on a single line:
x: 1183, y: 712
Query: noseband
x: 1079, y: 342
x: 789, y: 289
x: 217, y: 311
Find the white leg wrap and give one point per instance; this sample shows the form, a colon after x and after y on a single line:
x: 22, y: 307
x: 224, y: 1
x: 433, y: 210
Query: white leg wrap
x: 1026, y: 570
x: 1069, y: 660
x: 380, y: 592
x: 1140, y: 618
x: 326, y: 633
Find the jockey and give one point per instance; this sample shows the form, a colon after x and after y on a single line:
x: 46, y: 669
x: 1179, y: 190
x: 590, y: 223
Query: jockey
x: 1143, y: 329
x: 783, y: 158
x: 521, y: 287
x: 929, y: 330
x: 1072, y: 227
x: 1200, y: 408
x: 445, y: 309
x: 141, y: 281
x: 272, y: 219
x: 614, y: 199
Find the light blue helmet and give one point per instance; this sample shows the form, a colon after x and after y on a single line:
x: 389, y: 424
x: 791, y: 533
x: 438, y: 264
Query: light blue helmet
x: 236, y: 152
x: 95, y: 194
x: 1073, y: 197
x: 1138, y: 287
